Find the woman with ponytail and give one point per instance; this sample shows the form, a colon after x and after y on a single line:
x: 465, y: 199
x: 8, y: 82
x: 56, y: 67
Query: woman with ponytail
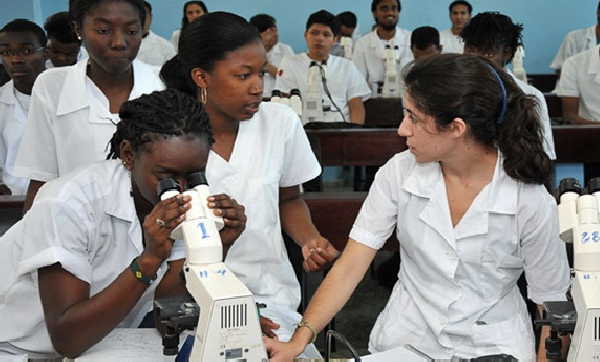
x: 468, y: 205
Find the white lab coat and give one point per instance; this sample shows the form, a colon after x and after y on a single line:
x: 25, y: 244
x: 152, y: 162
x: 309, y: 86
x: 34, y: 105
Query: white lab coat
x: 451, y: 43
x: 369, y: 55
x: 545, y: 123
x: 275, y: 56
x: 12, y: 123
x: 87, y: 222
x: 344, y: 81
x: 457, y: 291
x: 575, y: 42
x: 175, y: 39
x: 271, y: 151
x: 580, y: 78
x: 69, y: 123
x: 155, y: 50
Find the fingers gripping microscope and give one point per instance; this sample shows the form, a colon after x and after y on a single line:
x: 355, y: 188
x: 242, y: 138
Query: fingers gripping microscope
x: 228, y: 327
x: 579, y: 224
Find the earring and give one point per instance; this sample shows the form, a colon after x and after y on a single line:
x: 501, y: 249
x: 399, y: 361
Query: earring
x: 203, y: 95
x: 126, y: 165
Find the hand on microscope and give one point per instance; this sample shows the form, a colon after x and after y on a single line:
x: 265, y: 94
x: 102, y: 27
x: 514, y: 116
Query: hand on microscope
x: 233, y: 215
x: 267, y: 326
x: 318, y: 253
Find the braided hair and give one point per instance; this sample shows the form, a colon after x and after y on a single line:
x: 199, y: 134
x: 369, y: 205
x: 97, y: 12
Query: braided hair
x: 159, y: 115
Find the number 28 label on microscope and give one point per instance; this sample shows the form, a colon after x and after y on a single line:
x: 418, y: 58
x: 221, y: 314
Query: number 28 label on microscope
x: 587, y: 237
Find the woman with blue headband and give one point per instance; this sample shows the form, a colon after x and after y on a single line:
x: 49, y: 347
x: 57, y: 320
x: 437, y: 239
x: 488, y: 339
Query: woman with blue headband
x: 467, y: 203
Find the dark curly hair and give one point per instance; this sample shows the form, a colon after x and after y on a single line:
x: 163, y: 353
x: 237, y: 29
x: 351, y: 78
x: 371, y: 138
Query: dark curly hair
x: 78, y: 9
x: 159, y: 115
x: 491, y: 32
x: 448, y: 86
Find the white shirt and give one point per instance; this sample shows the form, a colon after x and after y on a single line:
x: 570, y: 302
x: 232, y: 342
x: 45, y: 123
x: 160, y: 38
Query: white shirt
x: 175, y: 39
x: 580, y: 78
x: 344, y: 82
x: 457, y: 291
x: 271, y: 151
x: 275, y: 56
x: 451, y: 43
x: 13, y: 115
x: 69, y: 123
x: 545, y: 123
x: 87, y: 222
x: 575, y: 42
x: 155, y: 50
x: 369, y: 55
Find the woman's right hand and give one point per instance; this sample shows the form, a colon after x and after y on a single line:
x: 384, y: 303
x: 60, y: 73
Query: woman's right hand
x: 282, y: 351
x: 159, y: 223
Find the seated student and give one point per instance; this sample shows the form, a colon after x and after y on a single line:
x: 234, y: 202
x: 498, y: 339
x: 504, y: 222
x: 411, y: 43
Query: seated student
x: 276, y: 50
x: 346, y: 26
x: 343, y: 87
x: 95, y: 249
x: 64, y: 47
x: 460, y: 15
x: 425, y: 42
x: 192, y: 10
x: 22, y: 45
x: 495, y: 36
x: 369, y: 51
x: 74, y: 110
x: 467, y: 203
x: 576, y: 42
x: 154, y: 50
x: 579, y: 87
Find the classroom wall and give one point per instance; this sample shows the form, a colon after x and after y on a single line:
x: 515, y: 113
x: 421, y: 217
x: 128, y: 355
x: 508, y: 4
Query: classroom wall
x: 546, y: 22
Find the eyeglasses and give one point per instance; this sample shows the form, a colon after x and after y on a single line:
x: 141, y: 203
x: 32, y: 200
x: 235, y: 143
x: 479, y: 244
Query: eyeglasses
x: 23, y: 52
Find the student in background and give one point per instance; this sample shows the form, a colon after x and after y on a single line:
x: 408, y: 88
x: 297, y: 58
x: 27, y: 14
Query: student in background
x: 276, y: 50
x: 64, y: 47
x: 369, y: 55
x: 345, y: 87
x: 74, y: 110
x: 22, y: 46
x: 577, y: 41
x: 460, y: 15
x: 192, y: 10
x: 496, y: 37
x: 579, y: 87
x: 425, y: 42
x: 154, y: 50
x: 346, y: 27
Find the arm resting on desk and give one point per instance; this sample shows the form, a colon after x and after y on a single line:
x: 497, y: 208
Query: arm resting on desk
x: 357, y: 111
x: 570, y: 107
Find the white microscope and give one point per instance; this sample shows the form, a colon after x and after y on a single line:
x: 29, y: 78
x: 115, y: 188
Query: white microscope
x: 346, y: 43
x: 228, y: 327
x: 312, y: 100
x: 580, y: 225
x: 391, y: 79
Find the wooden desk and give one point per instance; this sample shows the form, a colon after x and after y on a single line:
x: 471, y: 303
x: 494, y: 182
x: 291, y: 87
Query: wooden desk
x: 373, y: 147
x: 543, y: 82
x: 554, y: 104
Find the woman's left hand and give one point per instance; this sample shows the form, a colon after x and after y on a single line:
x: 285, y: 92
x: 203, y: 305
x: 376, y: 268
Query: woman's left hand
x: 318, y: 253
x: 233, y: 214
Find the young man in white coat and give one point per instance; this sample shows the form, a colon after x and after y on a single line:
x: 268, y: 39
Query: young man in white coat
x: 276, y: 50
x: 369, y: 55
x: 343, y: 86
x: 22, y: 45
x: 576, y: 42
x: 460, y: 15
x: 154, y: 50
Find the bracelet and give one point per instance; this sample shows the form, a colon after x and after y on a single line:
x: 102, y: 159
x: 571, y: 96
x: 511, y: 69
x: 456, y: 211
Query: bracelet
x: 139, y: 275
x: 304, y: 323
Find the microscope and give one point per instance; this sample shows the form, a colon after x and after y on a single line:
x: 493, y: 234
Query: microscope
x: 518, y: 64
x: 346, y: 44
x: 312, y: 101
x: 579, y: 224
x: 228, y: 327
x: 391, y: 78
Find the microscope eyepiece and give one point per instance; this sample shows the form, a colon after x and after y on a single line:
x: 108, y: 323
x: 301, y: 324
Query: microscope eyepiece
x: 569, y: 185
x: 166, y: 184
x: 197, y: 178
x: 594, y: 185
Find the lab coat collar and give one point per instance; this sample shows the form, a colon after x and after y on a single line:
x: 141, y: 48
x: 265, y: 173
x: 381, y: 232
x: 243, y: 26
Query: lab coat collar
x: 119, y: 202
x: 7, y: 93
x: 594, y: 62
x: 74, y: 94
x: 590, y: 36
x: 376, y: 42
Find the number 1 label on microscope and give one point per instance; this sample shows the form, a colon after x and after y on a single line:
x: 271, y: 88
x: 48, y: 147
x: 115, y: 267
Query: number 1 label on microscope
x: 202, y: 228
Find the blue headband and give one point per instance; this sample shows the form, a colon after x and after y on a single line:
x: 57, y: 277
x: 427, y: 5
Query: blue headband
x: 504, y: 96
